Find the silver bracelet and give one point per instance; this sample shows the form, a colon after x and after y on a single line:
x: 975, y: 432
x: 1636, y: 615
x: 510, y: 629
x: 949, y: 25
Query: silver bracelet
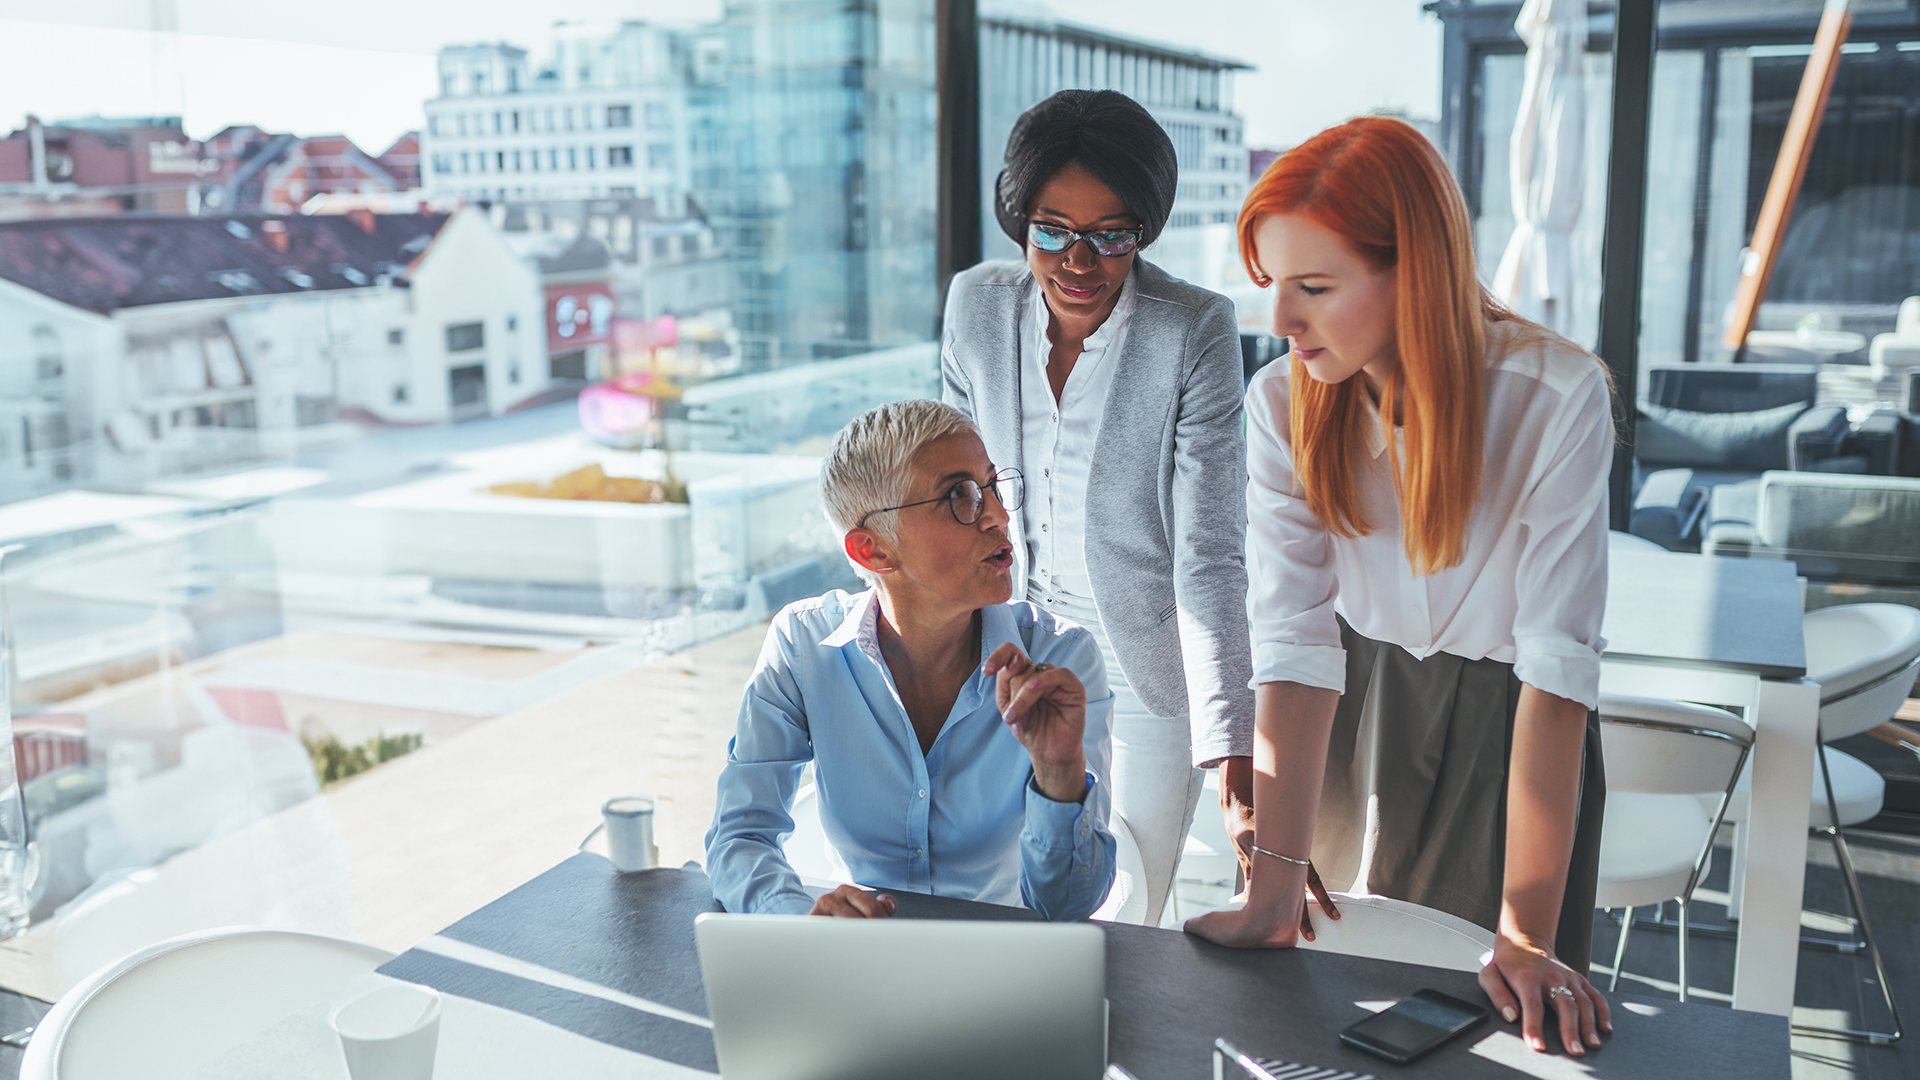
x: 1282, y: 858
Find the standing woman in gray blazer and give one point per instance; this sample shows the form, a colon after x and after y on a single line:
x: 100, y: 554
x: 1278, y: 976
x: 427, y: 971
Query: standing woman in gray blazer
x: 1115, y: 390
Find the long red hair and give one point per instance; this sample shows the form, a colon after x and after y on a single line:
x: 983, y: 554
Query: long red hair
x: 1379, y: 185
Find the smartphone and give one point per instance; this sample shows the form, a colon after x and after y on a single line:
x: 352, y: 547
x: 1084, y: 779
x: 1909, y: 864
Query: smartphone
x: 1414, y: 1026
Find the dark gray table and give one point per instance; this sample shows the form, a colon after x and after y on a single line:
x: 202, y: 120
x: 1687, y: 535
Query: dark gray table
x: 1172, y: 994
x: 1697, y: 611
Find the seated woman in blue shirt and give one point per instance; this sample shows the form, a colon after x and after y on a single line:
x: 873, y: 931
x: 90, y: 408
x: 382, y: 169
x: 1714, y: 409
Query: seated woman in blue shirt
x: 959, y: 742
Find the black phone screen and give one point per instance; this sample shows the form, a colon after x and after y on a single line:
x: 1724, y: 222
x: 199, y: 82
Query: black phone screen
x: 1414, y: 1026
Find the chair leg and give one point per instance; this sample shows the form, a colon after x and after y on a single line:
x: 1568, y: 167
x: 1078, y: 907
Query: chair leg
x: 1737, y: 873
x: 1683, y: 948
x: 1845, y: 858
x: 1620, y: 950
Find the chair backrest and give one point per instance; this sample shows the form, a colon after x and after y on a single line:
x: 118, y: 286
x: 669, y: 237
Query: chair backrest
x: 1622, y: 541
x: 1656, y: 747
x: 1864, y: 657
x: 1834, y: 524
x: 1727, y: 388
x: 1907, y: 323
x: 1381, y: 928
x: 808, y: 851
x: 1851, y: 644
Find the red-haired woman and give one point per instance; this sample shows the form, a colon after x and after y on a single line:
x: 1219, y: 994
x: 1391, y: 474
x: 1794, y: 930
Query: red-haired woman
x: 1427, y: 556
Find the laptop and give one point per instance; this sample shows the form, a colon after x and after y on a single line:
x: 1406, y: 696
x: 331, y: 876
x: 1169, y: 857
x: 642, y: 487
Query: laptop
x: 798, y: 997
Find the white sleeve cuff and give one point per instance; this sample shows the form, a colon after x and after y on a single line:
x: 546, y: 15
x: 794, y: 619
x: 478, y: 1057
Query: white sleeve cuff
x: 1309, y: 665
x: 1560, y: 666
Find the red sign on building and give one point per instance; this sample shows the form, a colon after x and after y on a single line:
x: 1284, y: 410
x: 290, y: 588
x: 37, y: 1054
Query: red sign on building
x: 578, y: 316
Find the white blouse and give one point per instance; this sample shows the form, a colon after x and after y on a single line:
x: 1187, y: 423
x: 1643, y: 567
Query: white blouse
x: 1532, y: 588
x: 1057, y: 439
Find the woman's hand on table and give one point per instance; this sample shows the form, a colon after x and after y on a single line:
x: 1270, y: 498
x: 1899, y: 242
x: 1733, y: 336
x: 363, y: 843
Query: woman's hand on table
x: 1255, y: 927
x: 854, y: 902
x: 1526, y: 982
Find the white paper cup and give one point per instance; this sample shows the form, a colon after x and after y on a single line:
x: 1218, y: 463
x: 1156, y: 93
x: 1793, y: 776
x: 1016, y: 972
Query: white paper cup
x: 629, y: 821
x: 389, y: 1033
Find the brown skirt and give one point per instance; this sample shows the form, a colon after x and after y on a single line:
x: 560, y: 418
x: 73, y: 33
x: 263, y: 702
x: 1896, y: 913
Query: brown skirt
x: 1415, y: 800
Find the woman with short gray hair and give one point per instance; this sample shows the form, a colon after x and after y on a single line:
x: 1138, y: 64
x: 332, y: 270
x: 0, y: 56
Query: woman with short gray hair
x: 1115, y: 389
x: 958, y: 742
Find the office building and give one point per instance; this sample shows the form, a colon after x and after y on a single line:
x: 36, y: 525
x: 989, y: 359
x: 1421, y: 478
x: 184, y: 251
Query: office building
x: 139, y: 347
x: 606, y: 119
x: 832, y: 132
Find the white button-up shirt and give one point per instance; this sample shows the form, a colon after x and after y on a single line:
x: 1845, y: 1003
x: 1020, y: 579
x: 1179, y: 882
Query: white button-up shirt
x: 1532, y: 588
x: 1057, y: 440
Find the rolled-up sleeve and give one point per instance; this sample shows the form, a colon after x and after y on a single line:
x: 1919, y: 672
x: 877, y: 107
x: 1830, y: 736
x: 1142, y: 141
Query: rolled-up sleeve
x: 1290, y: 570
x: 752, y: 814
x: 1067, y: 849
x: 1561, y: 587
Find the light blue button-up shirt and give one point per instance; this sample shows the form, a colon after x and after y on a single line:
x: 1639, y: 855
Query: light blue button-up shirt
x: 963, y: 820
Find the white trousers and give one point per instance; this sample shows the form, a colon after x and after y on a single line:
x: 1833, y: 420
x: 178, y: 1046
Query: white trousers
x: 1154, y: 785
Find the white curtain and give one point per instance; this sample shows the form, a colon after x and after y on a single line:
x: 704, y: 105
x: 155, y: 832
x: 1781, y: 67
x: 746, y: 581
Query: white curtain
x: 1535, y: 277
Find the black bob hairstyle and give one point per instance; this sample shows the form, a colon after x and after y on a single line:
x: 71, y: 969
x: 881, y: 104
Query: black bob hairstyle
x: 1110, y: 135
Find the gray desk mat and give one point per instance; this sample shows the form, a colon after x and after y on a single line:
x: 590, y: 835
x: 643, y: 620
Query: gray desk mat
x: 1171, y: 993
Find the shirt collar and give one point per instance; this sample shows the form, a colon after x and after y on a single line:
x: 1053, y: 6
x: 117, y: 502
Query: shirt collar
x: 862, y: 627
x: 1375, y: 430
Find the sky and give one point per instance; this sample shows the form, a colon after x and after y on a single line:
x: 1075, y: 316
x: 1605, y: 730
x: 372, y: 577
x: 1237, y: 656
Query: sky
x: 364, y: 66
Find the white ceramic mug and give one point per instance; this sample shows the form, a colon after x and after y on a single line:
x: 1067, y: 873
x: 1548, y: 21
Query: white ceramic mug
x: 390, y: 1032
x: 629, y: 823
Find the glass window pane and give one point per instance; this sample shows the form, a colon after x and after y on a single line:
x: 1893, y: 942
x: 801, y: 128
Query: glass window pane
x: 324, y: 446
x: 1502, y: 80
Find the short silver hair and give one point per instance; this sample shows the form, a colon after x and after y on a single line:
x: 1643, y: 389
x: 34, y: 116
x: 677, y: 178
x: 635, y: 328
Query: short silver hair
x: 871, y: 463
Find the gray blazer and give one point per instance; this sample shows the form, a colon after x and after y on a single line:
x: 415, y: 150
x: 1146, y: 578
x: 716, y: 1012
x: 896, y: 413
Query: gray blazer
x: 1166, y: 491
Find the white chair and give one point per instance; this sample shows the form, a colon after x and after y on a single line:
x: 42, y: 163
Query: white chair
x: 1208, y: 857
x: 1865, y: 658
x: 171, y: 1008
x: 807, y: 849
x: 1625, y: 541
x: 1664, y: 760
x: 1126, y: 901
x: 1382, y: 928
x: 1893, y: 352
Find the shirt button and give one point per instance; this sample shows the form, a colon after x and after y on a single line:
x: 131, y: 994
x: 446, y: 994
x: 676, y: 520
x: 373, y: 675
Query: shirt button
x: 1046, y: 472
x: 1083, y: 869
x: 1083, y: 830
x: 923, y: 793
x: 1414, y: 611
x: 918, y: 852
x: 1056, y: 418
x: 1043, y: 528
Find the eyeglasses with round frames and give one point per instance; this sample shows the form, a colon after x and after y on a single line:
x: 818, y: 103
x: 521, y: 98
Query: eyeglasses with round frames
x: 1054, y: 239
x: 967, y: 500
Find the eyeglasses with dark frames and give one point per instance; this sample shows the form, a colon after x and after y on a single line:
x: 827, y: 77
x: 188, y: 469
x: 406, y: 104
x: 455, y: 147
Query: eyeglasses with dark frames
x: 1054, y: 239
x: 967, y: 499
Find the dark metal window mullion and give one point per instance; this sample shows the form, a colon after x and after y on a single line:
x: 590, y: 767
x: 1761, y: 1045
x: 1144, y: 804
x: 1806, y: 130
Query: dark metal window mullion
x: 1622, y: 247
x: 957, y: 91
x: 1702, y: 198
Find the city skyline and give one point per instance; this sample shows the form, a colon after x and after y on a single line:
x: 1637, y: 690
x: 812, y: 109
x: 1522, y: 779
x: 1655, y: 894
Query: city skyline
x: 236, y: 63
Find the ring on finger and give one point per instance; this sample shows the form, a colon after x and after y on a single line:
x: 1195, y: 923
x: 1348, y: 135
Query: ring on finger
x: 1560, y: 991
x: 1043, y: 667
